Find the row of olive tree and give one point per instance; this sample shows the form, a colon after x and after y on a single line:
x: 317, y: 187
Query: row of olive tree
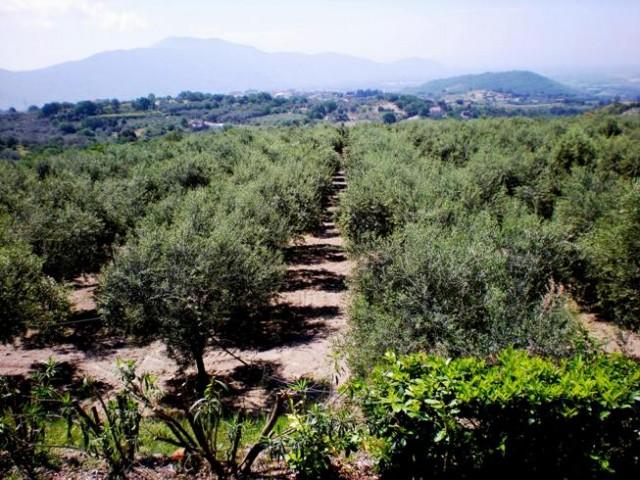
x: 189, y: 232
x: 208, y: 260
x: 469, y: 230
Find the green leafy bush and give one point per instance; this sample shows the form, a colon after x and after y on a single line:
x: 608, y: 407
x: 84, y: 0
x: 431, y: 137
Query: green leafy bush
x: 518, y: 415
x: 315, y: 435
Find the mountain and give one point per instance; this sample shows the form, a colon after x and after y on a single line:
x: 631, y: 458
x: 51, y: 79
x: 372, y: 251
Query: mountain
x: 517, y: 82
x: 209, y: 65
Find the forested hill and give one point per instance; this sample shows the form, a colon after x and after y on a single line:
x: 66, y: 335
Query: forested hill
x: 516, y: 82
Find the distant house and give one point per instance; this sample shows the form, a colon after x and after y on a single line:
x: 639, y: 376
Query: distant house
x: 198, y: 125
x: 214, y: 125
x: 436, y: 112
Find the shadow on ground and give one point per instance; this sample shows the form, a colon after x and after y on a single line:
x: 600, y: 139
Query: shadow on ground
x: 307, y: 279
x: 279, y: 325
x: 314, y: 254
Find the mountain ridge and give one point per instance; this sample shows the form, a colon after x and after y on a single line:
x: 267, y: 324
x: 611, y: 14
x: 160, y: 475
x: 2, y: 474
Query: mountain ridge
x: 211, y: 65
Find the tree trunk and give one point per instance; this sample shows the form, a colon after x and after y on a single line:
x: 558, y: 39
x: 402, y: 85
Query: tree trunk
x: 263, y: 441
x: 203, y: 378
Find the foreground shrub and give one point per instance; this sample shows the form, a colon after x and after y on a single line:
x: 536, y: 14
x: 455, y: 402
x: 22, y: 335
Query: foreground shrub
x: 110, y: 428
x: 519, y: 415
x: 315, y: 435
x: 23, y: 417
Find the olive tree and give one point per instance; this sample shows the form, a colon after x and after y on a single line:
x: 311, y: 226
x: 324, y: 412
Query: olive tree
x: 612, y: 252
x: 181, y: 285
x: 27, y: 297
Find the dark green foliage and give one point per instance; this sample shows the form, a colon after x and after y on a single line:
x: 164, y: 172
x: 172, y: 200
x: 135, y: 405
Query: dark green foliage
x: 67, y: 128
x: 611, y: 127
x: 520, y: 415
x: 142, y: 103
x: 467, y: 233
x: 612, y: 254
x: 389, y: 118
x: 184, y: 283
x: 28, y: 299
x: 50, y: 109
x: 85, y: 109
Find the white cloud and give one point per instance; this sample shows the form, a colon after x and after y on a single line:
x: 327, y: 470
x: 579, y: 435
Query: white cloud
x: 44, y: 13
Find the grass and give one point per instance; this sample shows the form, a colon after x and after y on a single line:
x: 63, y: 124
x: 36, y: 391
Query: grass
x: 150, y: 432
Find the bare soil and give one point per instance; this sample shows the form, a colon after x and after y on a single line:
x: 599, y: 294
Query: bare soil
x: 293, y: 340
x: 610, y: 337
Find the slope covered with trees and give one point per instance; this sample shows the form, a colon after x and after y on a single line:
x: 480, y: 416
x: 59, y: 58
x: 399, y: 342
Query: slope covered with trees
x: 473, y: 242
x: 522, y: 83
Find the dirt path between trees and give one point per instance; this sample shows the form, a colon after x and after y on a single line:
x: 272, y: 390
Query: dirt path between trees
x: 294, y: 339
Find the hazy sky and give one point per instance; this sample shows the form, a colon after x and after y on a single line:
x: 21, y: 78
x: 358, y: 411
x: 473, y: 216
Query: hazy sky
x: 458, y: 33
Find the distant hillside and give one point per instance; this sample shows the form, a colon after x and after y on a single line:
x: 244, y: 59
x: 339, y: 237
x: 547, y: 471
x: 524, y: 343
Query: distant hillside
x: 515, y: 82
x: 216, y: 66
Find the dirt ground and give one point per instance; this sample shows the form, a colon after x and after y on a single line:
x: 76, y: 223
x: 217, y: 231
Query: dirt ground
x: 294, y: 340
x: 610, y: 337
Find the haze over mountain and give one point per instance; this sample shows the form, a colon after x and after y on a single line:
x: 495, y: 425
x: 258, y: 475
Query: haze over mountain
x: 517, y: 82
x: 211, y: 65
